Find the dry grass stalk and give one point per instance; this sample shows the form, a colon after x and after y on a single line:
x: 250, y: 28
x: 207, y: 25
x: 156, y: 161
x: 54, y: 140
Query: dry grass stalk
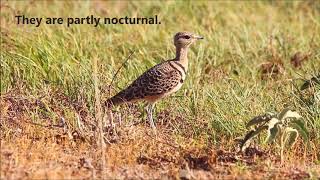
x: 98, y: 116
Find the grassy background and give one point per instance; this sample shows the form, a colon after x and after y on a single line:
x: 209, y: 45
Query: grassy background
x: 223, y: 89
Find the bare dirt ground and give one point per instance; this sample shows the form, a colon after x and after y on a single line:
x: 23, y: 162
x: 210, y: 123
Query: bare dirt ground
x: 139, y: 156
x: 44, y: 151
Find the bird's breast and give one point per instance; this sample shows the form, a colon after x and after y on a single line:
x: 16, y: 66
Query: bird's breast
x: 174, y: 89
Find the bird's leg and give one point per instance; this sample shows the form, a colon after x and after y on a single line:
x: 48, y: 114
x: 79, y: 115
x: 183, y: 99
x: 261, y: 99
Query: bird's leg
x: 149, y: 114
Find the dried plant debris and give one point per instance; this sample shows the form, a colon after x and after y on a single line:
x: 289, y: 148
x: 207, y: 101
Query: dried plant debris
x: 86, y: 163
x: 271, y: 69
x: 298, y: 58
x: 215, y: 73
x: 296, y: 174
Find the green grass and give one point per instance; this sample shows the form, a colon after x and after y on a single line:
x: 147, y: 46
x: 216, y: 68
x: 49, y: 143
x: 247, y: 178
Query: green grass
x: 223, y: 89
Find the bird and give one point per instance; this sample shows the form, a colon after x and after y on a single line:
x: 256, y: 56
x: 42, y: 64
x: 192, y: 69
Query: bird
x: 159, y: 81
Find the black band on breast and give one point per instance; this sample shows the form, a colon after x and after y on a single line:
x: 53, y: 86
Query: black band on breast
x: 176, y: 69
x: 184, y: 70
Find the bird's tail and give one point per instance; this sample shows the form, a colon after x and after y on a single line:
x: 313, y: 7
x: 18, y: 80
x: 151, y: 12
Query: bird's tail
x: 114, y: 101
x: 124, y: 96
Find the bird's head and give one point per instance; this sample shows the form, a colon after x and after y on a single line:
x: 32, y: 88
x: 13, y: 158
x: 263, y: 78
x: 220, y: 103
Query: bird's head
x: 185, y: 39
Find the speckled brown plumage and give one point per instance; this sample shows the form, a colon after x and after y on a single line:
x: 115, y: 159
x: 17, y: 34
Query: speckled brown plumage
x: 158, y: 80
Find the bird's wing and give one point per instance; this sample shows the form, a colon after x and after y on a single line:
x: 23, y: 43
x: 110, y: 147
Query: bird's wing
x: 156, y: 81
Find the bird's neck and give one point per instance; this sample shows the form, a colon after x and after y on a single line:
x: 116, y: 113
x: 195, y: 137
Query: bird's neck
x: 181, y: 56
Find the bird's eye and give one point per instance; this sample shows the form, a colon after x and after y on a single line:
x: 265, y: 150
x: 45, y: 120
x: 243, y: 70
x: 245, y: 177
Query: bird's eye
x: 186, y: 37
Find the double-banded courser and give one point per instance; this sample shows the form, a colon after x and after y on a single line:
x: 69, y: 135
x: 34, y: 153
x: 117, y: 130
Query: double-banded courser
x: 161, y: 80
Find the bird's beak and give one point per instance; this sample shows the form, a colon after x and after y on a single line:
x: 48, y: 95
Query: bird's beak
x: 197, y: 37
